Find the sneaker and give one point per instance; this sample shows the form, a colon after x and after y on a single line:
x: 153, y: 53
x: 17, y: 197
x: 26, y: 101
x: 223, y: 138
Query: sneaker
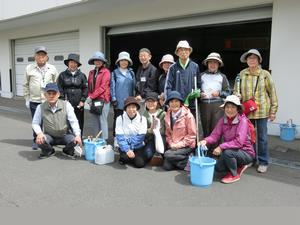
x: 44, y: 156
x: 242, y: 169
x: 230, y: 179
x: 262, y: 168
x: 35, y: 146
x: 69, y: 156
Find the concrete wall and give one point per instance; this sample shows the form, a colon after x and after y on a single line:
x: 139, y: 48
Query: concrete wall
x: 15, y: 8
x: 284, y: 60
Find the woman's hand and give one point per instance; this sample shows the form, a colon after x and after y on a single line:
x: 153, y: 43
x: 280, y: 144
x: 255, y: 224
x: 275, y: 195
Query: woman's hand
x: 203, y: 142
x: 217, y: 151
x: 130, y: 154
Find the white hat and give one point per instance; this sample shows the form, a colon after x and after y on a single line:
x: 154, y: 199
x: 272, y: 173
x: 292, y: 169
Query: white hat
x: 183, y: 44
x: 124, y: 56
x: 215, y: 56
x: 233, y: 99
x: 251, y: 51
x: 166, y: 58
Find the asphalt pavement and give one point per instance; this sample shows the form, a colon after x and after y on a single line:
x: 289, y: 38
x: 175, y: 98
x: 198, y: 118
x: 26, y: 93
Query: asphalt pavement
x: 26, y: 181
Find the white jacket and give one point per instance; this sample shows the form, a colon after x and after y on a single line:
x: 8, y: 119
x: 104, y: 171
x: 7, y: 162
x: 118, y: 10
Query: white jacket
x: 34, y: 82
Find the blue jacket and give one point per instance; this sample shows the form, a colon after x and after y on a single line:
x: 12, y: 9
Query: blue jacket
x: 121, y: 86
x: 182, y: 80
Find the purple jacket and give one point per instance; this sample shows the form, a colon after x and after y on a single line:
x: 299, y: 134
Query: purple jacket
x: 236, y: 135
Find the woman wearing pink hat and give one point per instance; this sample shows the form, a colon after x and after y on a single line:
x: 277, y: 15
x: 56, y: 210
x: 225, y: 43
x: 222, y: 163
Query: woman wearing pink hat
x: 164, y: 65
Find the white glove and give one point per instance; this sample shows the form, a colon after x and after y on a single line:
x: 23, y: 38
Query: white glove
x: 88, y: 100
x: 27, y: 104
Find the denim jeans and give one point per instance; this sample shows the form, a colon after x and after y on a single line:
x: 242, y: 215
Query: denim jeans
x: 261, y: 146
x: 32, y: 107
x: 100, y: 122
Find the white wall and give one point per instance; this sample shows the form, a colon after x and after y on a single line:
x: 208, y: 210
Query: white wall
x: 284, y: 61
x: 15, y: 8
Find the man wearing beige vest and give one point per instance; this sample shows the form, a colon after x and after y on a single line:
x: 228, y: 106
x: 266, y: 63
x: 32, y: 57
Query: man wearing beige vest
x: 55, y: 123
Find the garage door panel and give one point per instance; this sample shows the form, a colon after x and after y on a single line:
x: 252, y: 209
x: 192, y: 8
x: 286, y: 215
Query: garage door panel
x: 57, y: 45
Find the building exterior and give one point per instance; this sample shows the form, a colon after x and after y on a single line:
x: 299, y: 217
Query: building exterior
x: 84, y: 26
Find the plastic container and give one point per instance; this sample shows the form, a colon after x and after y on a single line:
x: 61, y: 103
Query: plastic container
x: 202, y: 171
x: 104, y: 155
x: 90, y: 148
x: 288, y: 132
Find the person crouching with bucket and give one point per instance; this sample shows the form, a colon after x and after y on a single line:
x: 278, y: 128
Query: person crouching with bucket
x: 180, y: 133
x: 236, y: 152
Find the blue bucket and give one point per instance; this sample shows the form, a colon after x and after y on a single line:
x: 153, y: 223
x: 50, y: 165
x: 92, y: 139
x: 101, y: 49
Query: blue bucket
x: 202, y: 171
x: 90, y: 148
x: 287, y: 133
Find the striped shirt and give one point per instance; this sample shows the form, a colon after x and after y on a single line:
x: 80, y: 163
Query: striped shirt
x: 265, y: 95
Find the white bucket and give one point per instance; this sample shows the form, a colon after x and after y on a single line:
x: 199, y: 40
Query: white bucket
x: 104, y: 154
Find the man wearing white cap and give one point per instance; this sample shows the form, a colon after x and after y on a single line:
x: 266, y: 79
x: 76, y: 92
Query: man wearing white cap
x: 181, y: 74
x: 37, y: 76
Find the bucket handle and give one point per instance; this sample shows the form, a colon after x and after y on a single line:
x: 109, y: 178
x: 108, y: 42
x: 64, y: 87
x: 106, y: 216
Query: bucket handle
x: 201, y: 150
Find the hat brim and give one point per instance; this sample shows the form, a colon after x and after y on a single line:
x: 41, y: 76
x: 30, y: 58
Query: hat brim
x: 168, y: 61
x: 243, y: 58
x: 66, y: 62
x: 129, y: 60
x: 41, y: 51
x: 132, y: 103
x: 91, y: 61
x: 204, y: 62
x: 184, y: 47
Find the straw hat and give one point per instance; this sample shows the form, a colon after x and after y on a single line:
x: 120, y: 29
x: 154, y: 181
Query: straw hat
x: 251, y: 51
x: 183, y: 44
x: 213, y: 56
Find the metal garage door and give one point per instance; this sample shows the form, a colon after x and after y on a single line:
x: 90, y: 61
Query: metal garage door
x: 58, y: 45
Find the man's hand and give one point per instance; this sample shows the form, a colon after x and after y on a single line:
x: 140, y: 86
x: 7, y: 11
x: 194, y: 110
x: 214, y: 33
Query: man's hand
x: 78, y: 141
x: 130, y: 154
x: 215, y: 94
x: 138, y: 98
x: 40, y: 138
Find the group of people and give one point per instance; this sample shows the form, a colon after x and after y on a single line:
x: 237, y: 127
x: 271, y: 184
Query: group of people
x: 154, y: 109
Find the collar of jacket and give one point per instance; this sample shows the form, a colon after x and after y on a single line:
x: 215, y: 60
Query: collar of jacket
x: 256, y: 73
x: 234, y: 121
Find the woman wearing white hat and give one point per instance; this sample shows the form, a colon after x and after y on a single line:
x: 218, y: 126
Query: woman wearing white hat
x: 214, y: 88
x: 254, y: 82
x: 165, y: 63
x: 236, y: 152
x: 122, y: 84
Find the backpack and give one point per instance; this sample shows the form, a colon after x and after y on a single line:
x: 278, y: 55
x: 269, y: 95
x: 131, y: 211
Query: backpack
x: 252, y: 131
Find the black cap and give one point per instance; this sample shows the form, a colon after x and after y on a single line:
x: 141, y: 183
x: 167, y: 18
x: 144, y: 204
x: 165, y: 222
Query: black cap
x: 152, y: 95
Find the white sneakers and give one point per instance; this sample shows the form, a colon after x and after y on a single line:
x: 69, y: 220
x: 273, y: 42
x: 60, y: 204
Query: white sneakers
x: 262, y: 168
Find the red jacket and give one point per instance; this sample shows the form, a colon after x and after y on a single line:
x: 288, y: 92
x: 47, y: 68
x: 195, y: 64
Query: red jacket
x: 102, y: 86
x: 183, y: 134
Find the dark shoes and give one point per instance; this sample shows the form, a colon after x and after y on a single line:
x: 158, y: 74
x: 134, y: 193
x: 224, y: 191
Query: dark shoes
x: 44, y: 156
x: 69, y: 155
x: 35, y: 146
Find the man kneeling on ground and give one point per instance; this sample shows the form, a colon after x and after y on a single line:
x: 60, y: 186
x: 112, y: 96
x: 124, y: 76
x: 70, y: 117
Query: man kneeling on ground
x: 55, y: 123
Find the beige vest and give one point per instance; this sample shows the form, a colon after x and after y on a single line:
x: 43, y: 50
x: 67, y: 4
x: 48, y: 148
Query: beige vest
x: 55, y: 124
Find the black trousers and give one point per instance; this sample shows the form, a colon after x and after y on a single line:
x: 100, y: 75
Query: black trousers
x: 139, y: 161
x: 79, y: 112
x: 117, y: 112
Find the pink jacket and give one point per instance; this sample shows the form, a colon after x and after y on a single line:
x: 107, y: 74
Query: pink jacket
x: 102, y: 86
x: 236, y: 135
x: 183, y: 134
